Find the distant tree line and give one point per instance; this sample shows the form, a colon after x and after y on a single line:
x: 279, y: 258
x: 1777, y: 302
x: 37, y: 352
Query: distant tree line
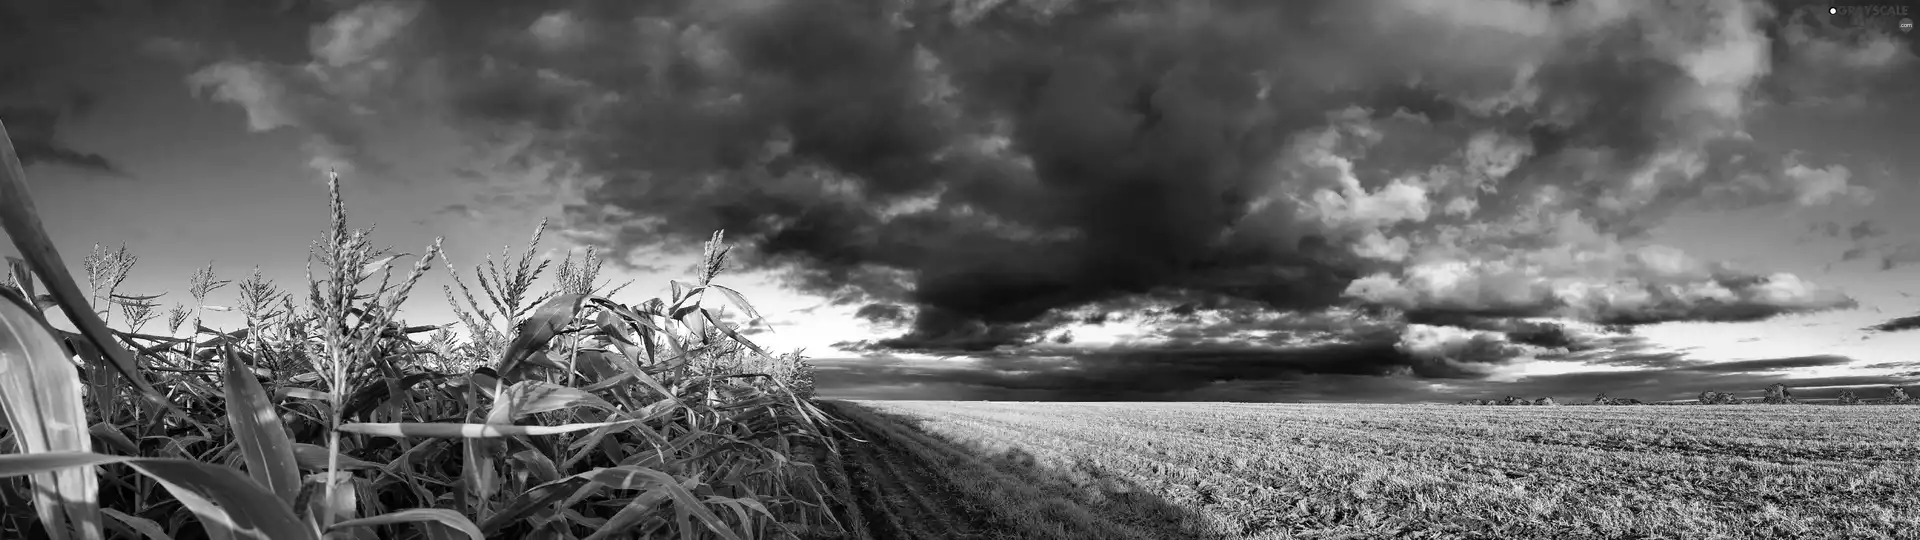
x: 1776, y: 394
x: 1510, y: 400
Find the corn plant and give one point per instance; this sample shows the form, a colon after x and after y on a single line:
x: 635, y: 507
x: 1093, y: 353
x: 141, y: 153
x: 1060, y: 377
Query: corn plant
x: 564, y: 414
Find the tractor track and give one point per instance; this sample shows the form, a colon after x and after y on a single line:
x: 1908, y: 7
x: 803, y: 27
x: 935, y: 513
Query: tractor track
x: 893, y: 494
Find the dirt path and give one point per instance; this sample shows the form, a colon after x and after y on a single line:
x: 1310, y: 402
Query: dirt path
x: 896, y: 495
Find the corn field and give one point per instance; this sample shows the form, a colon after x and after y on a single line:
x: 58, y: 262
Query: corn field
x: 558, y: 414
x: 1322, y: 471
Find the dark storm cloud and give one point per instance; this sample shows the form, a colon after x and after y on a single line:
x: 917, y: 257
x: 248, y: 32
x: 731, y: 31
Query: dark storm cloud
x: 1639, y: 354
x: 1890, y: 255
x: 459, y: 210
x: 1865, y: 229
x: 1661, y: 385
x: 1769, y: 364
x: 33, y: 107
x: 988, y: 164
x: 35, y: 135
x: 1538, y: 333
x: 937, y: 331
x: 989, y: 167
x: 1098, y: 213
x: 1900, y: 324
x: 58, y: 56
x: 1224, y: 359
x: 1869, y: 239
x: 1304, y: 388
x: 1547, y: 335
x: 1638, y: 358
x: 326, y: 97
x: 1572, y: 388
x: 1160, y: 373
x: 882, y: 313
x: 1369, y: 373
x: 1862, y: 230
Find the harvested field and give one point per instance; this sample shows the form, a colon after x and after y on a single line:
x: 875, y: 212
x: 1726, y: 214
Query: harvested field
x: 935, y: 469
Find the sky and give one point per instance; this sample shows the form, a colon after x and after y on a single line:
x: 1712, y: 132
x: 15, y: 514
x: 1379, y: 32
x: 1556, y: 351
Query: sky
x: 1234, y: 200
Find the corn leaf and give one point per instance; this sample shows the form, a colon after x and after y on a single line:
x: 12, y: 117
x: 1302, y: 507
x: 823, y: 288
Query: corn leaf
x: 732, y: 334
x: 537, y: 330
x: 537, y: 465
x: 146, y: 527
x: 478, y: 479
x: 257, y: 429
x: 636, y: 477
x: 451, y: 430
x: 534, y: 397
x: 630, y: 516
x: 740, y: 301
x: 40, y: 396
x: 295, y: 392
x: 112, y: 436
x: 364, y: 400
x: 441, y: 516
x: 314, y: 458
x: 371, y: 268
x: 530, y: 500
x: 224, y: 500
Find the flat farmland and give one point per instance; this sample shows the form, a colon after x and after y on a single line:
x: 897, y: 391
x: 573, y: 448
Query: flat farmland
x: 943, y: 469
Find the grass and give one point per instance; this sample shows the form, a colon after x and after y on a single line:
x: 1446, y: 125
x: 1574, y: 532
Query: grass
x: 1224, y: 470
x: 564, y: 414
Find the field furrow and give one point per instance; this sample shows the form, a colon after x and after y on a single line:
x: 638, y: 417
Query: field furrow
x: 1368, y: 471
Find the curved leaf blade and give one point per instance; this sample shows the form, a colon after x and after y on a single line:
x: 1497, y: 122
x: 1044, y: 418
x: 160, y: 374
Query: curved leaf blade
x: 532, y: 499
x: 418, y: 515
x: 40, y: 400
x: 258, y: 431
x: 740, y: 301
x: 632, y: 477
x: 314, y: 458
x: 146, y: 527
x: 12, y: 465
x: 534, y: 397
x: 537, y: 330
x: 452, y: 430
x: 224, y: 500
x: 244, y: 509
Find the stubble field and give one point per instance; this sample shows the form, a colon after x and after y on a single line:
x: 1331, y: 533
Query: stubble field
x: 942, y: 469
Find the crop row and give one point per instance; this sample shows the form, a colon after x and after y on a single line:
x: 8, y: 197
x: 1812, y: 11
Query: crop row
x: 1327, y: 470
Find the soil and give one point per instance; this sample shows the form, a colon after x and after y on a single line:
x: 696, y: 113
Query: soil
x: 895, y: 494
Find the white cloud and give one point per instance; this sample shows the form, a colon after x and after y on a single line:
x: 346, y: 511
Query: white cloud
x: 1474, y: 350
x: 558, y: 30
x: 1821, y: 186
x: 353, y: 65
x: 249, y: 85
x: 357, y: 35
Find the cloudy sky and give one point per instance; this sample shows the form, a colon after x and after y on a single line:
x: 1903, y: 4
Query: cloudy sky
x: 1357, y: 200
